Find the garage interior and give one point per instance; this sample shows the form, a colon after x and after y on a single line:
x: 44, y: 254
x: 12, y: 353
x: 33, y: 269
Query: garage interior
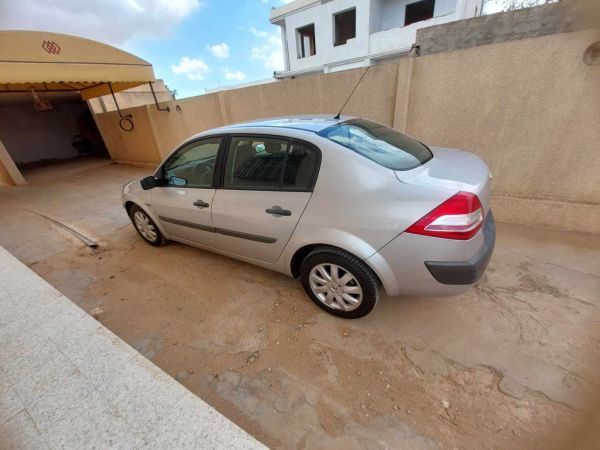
x: 40, y: 130
x: 44, y: 117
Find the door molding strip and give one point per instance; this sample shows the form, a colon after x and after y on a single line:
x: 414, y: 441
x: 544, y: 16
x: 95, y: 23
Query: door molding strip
x: 233, y: 233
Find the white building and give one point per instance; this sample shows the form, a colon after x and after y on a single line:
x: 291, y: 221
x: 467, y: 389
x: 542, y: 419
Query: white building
x: 331, y: 35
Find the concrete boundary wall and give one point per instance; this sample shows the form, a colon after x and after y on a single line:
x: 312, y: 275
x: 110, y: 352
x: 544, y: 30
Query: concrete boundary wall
x: 562, y: 17
x: 529, y: 107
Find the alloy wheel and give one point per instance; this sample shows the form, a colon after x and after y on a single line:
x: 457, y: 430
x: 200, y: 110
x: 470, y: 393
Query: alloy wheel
x: 335, y: 287
x: 144, y: 226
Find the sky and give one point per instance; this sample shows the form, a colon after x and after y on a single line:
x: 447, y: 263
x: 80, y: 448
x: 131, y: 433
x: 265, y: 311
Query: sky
x: 193, y: 45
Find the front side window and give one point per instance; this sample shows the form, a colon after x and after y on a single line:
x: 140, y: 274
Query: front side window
x: 193, y: 165
x: 306, y: 41
x: 270, y: 163
x: 345, y: 26
x: 384, y: 145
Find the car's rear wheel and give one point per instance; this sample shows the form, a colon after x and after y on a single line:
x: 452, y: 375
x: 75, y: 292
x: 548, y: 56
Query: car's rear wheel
x: 146, y: 227
x: 339, y: 283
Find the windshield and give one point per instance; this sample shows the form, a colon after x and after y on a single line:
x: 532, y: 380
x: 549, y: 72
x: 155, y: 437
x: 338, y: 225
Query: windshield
x: 384, y: 145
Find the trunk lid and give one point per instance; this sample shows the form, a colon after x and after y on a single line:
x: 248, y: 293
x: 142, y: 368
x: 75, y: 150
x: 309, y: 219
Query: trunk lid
x: 454, y: 170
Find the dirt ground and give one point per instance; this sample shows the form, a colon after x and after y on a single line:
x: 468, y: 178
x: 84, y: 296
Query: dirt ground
x: 513, y: 363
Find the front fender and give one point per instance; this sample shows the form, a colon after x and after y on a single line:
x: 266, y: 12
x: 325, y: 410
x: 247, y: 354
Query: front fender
x: 132, y: 198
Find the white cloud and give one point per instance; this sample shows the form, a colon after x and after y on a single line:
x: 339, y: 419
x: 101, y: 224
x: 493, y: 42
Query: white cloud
x: 257, y: 32
x: 235, y: 75
x: 111, y: 21
x: 219, y: 50
x: 194, y: 68
x: 270, y: 51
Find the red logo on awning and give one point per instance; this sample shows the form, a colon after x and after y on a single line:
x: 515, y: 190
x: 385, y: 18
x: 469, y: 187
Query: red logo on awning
x: 51, y: 47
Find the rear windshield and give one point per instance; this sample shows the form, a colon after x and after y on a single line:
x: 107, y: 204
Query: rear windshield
x: 384, y: 145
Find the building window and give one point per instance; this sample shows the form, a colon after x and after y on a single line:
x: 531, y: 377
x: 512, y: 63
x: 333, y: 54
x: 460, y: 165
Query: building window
x: 306, y: 41
x: 345, y: 26
x: 415, y: 12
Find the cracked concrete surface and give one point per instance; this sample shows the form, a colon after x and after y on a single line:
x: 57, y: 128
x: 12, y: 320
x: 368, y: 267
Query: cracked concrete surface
x: 300, y: 414
x: 512, y: 363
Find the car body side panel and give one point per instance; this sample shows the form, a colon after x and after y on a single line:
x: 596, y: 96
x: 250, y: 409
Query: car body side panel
x: 244, y: 212
x: 174, y: 207
x: 358, y: 205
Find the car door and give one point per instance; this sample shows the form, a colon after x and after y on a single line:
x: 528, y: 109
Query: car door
x: 267, y: 183
x: 184, y: 200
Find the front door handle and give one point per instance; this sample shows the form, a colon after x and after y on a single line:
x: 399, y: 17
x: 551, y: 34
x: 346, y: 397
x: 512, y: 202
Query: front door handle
x: 278, y: 211
x: 201, y: 204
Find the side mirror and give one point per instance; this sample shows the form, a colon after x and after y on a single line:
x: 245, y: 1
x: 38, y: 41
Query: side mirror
x: 148, y: 182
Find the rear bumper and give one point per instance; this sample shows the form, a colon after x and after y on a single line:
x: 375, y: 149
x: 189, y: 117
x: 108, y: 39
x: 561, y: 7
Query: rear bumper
x: 412, y: 264
x: 471, y: 270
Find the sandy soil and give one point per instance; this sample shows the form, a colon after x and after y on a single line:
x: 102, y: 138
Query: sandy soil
x: 513, y: 363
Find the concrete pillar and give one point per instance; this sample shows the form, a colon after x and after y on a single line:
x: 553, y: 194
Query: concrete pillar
x: 9, y: 173
x: 403, y: 91
x: 223, y: 107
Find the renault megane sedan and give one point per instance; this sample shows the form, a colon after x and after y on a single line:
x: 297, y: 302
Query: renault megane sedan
x: 347, y: 205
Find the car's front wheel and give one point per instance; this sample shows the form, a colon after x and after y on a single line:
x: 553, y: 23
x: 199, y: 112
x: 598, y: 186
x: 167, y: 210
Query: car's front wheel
x: 146, y: 227
x: 339, y: 283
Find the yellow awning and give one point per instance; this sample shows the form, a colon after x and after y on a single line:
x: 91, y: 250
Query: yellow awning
x: 58, y: 62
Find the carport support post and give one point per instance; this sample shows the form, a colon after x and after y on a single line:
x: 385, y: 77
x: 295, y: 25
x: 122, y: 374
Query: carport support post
x: 9, y: 173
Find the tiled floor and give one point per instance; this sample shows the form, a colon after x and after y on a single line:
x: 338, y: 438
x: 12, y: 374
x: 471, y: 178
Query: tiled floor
x: 68, y: 382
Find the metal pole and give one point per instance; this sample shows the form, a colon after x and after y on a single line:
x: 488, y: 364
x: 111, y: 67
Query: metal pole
x: 125, y: 122
x: 156, y: 101
x: 116, y: 103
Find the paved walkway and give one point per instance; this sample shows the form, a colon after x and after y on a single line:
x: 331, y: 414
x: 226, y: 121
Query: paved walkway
x: 68, y: 382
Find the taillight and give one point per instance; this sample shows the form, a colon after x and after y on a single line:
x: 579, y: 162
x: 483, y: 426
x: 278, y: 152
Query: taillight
x: 459, y: 217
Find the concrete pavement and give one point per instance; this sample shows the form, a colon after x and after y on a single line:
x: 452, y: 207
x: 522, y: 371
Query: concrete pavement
x: 68, y: 382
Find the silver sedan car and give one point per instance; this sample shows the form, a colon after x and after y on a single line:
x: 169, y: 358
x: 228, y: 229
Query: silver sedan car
x: 347, y: 205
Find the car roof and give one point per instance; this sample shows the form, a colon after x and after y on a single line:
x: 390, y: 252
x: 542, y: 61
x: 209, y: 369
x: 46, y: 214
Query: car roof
x: 313, y: 123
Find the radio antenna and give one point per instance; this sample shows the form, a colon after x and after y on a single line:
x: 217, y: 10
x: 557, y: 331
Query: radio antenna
x: 337, y: 117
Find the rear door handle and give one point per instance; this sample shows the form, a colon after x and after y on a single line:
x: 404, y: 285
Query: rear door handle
x: 278, y: 211
x: 201, y: 204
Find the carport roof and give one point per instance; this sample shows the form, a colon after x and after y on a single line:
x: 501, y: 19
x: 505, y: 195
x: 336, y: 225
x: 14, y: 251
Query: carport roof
x: 45, y: 61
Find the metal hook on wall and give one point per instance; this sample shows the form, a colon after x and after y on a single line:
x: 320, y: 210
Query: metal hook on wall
x: 125, y: 121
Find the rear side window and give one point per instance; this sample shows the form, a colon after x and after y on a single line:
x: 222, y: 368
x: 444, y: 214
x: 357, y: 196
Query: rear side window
x: 301, y: 167
x: 255, y: 163
x: 270, y: 163
x: 384, y: 145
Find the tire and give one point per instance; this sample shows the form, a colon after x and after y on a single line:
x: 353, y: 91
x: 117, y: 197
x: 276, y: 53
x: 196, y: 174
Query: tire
x: 151, y: 234
x: 354, y: 280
